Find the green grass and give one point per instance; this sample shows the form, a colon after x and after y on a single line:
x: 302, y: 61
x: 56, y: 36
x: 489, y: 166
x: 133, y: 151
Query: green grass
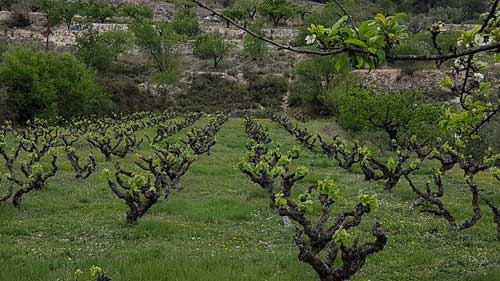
x: 220, y: 226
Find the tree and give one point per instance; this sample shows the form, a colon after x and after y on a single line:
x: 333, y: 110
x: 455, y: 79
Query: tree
x: 54, y: 14
x: 70, y: 9
x: 400, y: 114
x: 48, y: 84
x: 314, y: 77
x: 159, y: 41
x: 250, y: 7
x: 118, y: 41
x: 98, y: 49
x: 185, y: 21
x: 98, y: 10
x: 138, y: 12
x: 254, y: 47
x: 277, y: 11
x: 211, y: 46
x: 236, y: 14
x: 91, y: 49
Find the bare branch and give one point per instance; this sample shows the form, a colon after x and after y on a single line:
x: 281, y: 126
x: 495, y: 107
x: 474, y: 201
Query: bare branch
x: 436, y: 57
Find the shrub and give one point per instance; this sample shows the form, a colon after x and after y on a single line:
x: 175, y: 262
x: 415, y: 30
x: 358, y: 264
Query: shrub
x: 92, y: 50
x: 137, y: 12
x: 211, y: 93
x: 185, y: 22
x: 268, y: 91
x: 20, y: 19
x: 48, y: 84
x: 118, y: 41
x: 277, y: 11
x: 313, y: 77
x: 400, y: 114
x: 126, y: 94
x: 8, y: 109
x: 98, y: 10
x: 211, y: 46
x: 235, y: 14
x: 159, y: 42
x: 253, y: 47
x: 4, y: 46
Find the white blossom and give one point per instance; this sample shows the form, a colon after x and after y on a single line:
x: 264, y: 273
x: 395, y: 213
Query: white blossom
x: 310, y: 39
x: 479, y: 76
x: 479, y: 40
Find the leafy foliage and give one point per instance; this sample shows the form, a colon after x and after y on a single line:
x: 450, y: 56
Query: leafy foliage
x: 98, y: 10
x: 400, y: 114
x: 159, y: 41
x: 319, y: 236
x: 253, y: 47
x: 277, y: 11
x: 186, y: 22
x: 50, y: 84
x: 137, y: 12
x: 211, y: 46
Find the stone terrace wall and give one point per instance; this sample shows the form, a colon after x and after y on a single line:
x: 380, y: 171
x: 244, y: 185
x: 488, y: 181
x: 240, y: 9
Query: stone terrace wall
x: 394, y: 79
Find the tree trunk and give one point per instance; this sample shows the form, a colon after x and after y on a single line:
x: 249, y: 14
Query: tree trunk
x: 216, y: 62
x: 47, y: 41
x: 16, y: 200
x: 132, y: 217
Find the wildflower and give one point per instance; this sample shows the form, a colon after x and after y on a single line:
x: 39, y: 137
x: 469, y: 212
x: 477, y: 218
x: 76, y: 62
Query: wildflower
x: 479, y: 76
x: 310, y: 39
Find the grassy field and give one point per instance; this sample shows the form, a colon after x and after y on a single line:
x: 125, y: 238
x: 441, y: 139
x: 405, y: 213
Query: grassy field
x: 220, y: 227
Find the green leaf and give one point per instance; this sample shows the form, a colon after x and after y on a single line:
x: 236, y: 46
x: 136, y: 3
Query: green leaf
x: 279, y: 200
x: 341, y: 236
x: 339, y: 23
x: 370, y: 200
x: 496, y: 57
x: 341, y: 61
x: 445, y: 83
x: 356, y: 42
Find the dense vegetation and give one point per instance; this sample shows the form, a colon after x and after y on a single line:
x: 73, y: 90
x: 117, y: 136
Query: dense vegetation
x: 367, y: 183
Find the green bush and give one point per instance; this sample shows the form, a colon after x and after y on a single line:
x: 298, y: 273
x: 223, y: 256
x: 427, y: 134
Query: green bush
x: 346, y: 101
x: 400, y: 114
x: 314, y: 76
x: 47, y: 85
x: 253, y: 47
x: 277, y: 11
x: 93, y: 51
x: 185, y: 22
x: 127, y: 96
x: 4, y: 46
x: 211, y: 46
x: 211, y: 93
x: 98, y: 10
x: 137, y: 12
x: 159, y: 42
x: 268, y: 91
x: 8, y: 110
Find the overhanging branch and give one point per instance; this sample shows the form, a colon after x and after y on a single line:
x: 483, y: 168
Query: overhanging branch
x: 437, y: 57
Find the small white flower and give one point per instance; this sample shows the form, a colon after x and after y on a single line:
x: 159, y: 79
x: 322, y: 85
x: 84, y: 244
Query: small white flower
x: 310, y: 39
x: 479, y: 40
x: 478, y: 76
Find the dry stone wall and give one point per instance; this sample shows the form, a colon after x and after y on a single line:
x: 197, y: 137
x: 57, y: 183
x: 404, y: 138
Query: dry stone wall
x: 393, y: 79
